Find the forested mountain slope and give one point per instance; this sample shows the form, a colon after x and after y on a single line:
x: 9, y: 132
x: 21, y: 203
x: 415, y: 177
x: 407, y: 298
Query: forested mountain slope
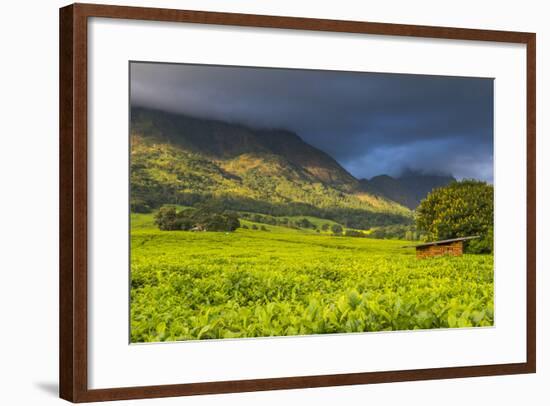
x: 178, y: 159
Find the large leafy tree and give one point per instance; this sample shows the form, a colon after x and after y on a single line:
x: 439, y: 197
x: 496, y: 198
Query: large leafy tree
x: 460, y: 209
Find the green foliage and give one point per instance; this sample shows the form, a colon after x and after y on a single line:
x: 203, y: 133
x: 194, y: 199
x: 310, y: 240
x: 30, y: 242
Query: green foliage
x: 289, y: 282
x: 482, y: 245
x: 305, y: 223
x: 167, y: 219
x: 203, y: 219
x: 355, y: 233
x: 336, y: 229
x: 396, y: 232
x: 139, y: 206
x: 291, y: 222
x: 461, y: 209
x: 282, y: 273
x: 164, y: 173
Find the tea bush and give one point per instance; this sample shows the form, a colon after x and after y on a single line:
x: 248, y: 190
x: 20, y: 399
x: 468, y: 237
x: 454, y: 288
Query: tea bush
x: 188, y: 286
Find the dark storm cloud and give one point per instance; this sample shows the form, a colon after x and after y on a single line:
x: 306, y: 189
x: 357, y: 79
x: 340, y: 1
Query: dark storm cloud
x: 371, y: 123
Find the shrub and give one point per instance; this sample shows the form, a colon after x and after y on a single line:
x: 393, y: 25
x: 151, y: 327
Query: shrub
x: 354, y: 233
x: 337, y: 229
x: 305, y: 223
x: 166, y: 218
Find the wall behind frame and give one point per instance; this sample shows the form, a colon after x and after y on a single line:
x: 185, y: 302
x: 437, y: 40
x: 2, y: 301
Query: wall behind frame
x: 28, y: 168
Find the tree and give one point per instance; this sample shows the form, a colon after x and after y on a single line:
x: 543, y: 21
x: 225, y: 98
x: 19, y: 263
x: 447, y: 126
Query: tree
x: 410, y: 235
x: 460, y: 209
x: 304, y: 223
x: 354, y: 233
x: 166, y: 218
x: 325, y: 226
x: 395, y: 232
x: 219, y: 222
x: 337, y: 229
x: 139, y: 206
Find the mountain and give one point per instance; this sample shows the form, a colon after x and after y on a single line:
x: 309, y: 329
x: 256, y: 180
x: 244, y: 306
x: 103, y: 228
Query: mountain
x: 391, y: 188
x: 420, y: 184
x: 316, y: 162
x: 408, y: 189
x: 220, y: 140
x: 179, y: 159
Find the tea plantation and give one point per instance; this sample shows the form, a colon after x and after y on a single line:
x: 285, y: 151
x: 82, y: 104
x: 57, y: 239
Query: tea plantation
x: 279, y: 281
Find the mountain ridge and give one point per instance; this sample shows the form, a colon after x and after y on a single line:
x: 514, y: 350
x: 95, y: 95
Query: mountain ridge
x: 228, y: 140
x: 177, y: 158
x: 409, y: 188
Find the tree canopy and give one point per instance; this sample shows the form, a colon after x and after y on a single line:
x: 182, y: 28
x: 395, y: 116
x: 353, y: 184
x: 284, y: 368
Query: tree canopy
x: 205, y: 218
x: 337, y: 229
x: 460, y: 209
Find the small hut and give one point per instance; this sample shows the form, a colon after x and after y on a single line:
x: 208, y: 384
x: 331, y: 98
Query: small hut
x: 453, y: 247
x: 198, y: 227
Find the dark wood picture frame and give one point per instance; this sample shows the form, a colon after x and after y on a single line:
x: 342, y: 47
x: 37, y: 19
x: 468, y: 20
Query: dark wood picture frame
x: 73, y: 362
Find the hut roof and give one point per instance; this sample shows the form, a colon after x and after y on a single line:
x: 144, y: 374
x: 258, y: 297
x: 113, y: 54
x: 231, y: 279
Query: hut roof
x: 426, y: 244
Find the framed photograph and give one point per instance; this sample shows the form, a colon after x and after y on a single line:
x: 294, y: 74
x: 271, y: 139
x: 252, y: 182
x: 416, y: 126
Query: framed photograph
x: 256, y: 203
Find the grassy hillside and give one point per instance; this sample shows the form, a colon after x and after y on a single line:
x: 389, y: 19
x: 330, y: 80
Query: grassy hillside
x: 181, y: 160
x: 253, y: 283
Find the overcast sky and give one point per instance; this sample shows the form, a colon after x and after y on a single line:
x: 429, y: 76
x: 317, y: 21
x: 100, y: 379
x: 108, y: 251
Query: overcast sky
x: 371, y: 123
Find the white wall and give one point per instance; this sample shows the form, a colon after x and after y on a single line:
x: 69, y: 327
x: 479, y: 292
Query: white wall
x: 28, y: 200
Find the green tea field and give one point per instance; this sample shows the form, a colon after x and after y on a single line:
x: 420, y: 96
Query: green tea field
x: 279, y: 281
